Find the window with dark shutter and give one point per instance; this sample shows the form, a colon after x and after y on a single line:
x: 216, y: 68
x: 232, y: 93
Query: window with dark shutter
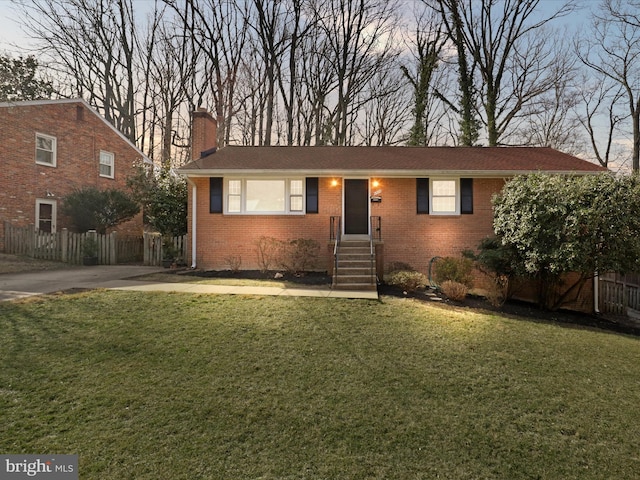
x: 466, y: 195
x: 215, y: 195
x: 312, y: 194
x: 422, y: 195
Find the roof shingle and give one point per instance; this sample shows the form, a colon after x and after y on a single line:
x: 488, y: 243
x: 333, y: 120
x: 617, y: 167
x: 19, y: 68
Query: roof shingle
x: 334, y: 160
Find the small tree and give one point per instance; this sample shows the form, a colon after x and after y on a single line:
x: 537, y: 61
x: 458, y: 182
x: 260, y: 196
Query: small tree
x: 93, y: 209
x: 19, y: 80
x: 556, y: 225
x: 163, y: 197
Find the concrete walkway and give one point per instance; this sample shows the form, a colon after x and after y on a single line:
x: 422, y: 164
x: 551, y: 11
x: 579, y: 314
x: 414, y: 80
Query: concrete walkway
x: 21, y: 285
x: 320, y: 291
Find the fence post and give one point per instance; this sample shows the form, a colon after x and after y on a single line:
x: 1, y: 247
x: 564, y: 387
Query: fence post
x: 64, y: 245
x: 112, y: 249
x: 31, y: 240
x: 94, y: 236
x: 145, y: 249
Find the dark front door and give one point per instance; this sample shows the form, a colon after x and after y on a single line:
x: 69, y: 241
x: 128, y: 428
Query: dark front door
x: 356, y: 207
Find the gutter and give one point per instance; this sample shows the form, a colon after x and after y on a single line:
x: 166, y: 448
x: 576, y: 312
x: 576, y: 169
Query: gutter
x: 596, y: 294
x: 387, y: 173
x: 194, y: 221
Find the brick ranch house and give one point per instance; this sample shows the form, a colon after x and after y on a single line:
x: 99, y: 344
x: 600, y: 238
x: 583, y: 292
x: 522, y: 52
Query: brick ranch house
x: 415, y: 203
x: 52, y: 147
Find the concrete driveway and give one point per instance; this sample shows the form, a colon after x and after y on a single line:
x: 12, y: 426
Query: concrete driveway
x: 20, y: 285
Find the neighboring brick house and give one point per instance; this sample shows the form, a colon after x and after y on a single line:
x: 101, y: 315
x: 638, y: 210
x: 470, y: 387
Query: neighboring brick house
x: 52, y: 147
x: 416, y: 202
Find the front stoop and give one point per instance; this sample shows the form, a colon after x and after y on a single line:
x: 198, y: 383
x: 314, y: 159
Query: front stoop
x: 355, y: 269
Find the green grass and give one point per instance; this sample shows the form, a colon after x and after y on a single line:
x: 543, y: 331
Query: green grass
x: 228, y: 281
x: 149, y: 386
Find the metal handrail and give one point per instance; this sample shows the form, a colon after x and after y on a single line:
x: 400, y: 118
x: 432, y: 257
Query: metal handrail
x: 335, y: 234
x: 375, y: 233
x: 373, y: 272
x: 376, y: 227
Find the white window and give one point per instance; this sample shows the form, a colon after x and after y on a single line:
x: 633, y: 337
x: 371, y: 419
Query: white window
x: 234, y: 202
x: 444, y: 197
x: 265, y: 196
x: 45, y: 150
x: 295, y: 198
x: 106, y: 164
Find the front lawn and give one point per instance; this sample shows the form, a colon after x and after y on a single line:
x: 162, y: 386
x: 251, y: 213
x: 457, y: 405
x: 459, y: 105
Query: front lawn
x: 179, y: 386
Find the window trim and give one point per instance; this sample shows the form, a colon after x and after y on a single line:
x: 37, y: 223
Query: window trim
x: 54, y: 213
x: 432, y: 195
x: 112, y: 165
x: 54, y: 150
x: 243, y: 196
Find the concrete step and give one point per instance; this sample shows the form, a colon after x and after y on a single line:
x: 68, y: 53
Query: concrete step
x: 353, y: 256
x: 355, y: 243
x: 355, y: 278
x: 355, y: 286
x: 354, y: 270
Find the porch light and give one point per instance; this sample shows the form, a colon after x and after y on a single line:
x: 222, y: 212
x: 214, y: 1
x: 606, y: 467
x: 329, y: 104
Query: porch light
x: 375, y: 183
x: 334, y: 183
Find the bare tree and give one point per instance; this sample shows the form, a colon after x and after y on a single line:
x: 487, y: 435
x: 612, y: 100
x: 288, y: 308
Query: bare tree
x: 169, y: 62
x: 218, y: 29
x: 92, y: 43
x: 316, y: 83
x: 387, y: 112
x: 426, y: 48
x: 507, y: 43
x: 359, y: 34
x: 612, y: 50
x: 552, y: 121
x: 601, y: 98
x: 270, y: 24
x: 301, y: 22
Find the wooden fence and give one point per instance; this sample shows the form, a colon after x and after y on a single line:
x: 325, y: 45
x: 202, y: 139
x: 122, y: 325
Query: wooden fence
x: 65, y: 246
x: 619, y: 294
x: 156, y: 251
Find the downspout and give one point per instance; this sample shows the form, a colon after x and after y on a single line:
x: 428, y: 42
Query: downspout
x: 194, y: 221
x: 596, y: 294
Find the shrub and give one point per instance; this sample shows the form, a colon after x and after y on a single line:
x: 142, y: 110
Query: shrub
x: 299, y: 255
x: 455, y: 270
x: 234, y: 262
x: 267, y: 249
x: 454, y: 290
x: 398, y: 267
x: 409, y: 281
x: 497, y: 262
x: 91, y: 209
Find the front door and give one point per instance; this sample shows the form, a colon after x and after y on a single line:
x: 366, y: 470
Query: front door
x: 356, y: 206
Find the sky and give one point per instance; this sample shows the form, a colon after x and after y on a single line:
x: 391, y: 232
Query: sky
x: 11, y: 33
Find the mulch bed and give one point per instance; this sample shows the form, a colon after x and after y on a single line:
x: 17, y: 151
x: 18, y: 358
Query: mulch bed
x: 514, y: 309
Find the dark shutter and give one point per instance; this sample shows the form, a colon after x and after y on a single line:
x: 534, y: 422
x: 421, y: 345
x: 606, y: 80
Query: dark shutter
x: 466, y: 195
x: 422, y: 195
x: 312, y: 194
x: 215, y: 195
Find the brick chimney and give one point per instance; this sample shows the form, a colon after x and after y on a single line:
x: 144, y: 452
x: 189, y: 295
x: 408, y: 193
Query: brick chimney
x: 204, y: 131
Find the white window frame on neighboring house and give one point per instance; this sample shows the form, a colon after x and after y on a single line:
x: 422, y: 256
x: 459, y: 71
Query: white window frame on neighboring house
x: 42, y: 150
x: 107, y: 162
x: 54, y: 213
x: 280, y: 196
x: 443, y: 201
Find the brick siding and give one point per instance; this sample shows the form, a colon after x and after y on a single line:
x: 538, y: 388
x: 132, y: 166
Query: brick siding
x: 408, y: 237
x: 80, y: 135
